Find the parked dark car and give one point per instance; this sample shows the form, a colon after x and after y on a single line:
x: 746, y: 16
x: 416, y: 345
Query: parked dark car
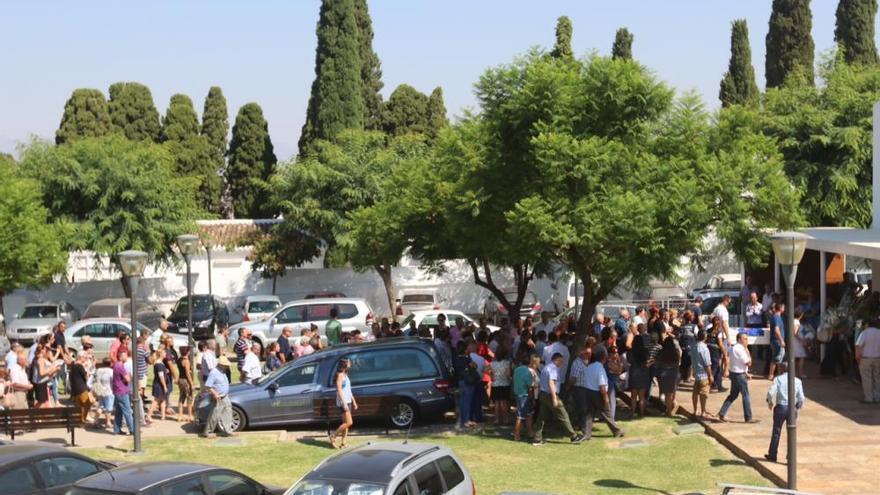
x: 208, y: 313
x: 407, y: 373
x: 43, y: 468
x: 163, y: 478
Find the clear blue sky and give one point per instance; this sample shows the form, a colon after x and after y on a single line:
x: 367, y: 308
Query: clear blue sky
x: 263, y: 51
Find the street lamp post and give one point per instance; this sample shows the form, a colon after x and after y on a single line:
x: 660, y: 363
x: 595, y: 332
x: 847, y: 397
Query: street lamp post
x: 188, y: 245
x: 789, y: 248
x: 132, y: 264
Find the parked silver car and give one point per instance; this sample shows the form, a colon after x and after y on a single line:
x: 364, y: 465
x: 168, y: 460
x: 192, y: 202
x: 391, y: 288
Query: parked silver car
x: 258, y: 308
x: 38, y: 319
x: 103, y: 331
x: 147, y: 314
x: 530, y: 308
x: 390, y: 468
x: 354, y: 314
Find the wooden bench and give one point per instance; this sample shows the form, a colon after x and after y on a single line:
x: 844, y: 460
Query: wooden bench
x: 35, y: 419
x: 368, y: 407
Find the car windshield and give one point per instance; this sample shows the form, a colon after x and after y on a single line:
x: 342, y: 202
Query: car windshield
x: 335, y: 487
x: 528, y: 300
x: 263, y: 306
x: 40, y: 312
x: 580, y: 290
x: 418, y: 298
x: 271, y: 375
x: 200, y: 305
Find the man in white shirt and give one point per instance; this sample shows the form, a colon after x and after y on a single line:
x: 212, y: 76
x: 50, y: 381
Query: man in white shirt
x: 557, y: 347
x: 546, y: 324
x: 779, y: 402
x: 641, y: 316
x: 868, y: 357
x: 12, y: 355
x: 251, y: 369
x: 19, y: 379
x: 722, y: 313
x: 596, y: 382
x: 740, y: 360
x: 550, y: 406
x: 754, y: 312
x: 209, y: 361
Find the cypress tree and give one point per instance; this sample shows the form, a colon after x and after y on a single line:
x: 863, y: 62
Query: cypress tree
x: 738, y: 85
x: 406, y: 112
x: 132, y: 111
x: 180, y: 120
x: 85, y: 115
x: 337, y: 98
x: 437, y: 119
x: 215, y: 123
x: 854, y: 30
x: 251, y: 163
x: 562, y: 48
x: 371, y: 70
x: 622, y: 49
x: 790, y: 44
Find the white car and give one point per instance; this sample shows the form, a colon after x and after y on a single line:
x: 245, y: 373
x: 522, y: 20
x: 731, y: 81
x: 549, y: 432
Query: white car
x: 258, y: 308
x: 392, y: 468
x: 354, y: 314
x: 429, y: 319
x: 409, y: 300
x: 38, y: 319
x: 104, y: 331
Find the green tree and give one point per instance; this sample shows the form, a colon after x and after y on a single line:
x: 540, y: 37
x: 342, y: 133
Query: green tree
x: 347, y: 188
x: 406, y: 111
x: 606, y: 152
x: 115, y: 194
x: 31, y: 253
x: 337, y: 98
x: 437, y: 120
x: 132, y: 111
x: 284, y: 247
x: 854, y: 30
x: 215, y: 124
x: 251, y: 163
x: 85, y: 115
x: 371, y: 69
x: 790, y: 46
x: 622, y: 46
x: 181, y: 121
x: 824, y: 134
x: 738, y: 85
x: 562, y: 48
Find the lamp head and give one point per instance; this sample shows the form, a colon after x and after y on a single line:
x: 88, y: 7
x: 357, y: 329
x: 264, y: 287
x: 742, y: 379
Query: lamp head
x: 132, y: 263
x: 188, y: 244
x: 789, y: 247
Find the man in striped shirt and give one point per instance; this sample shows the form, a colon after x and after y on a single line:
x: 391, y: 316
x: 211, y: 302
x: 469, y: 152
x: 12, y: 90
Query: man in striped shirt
x: 242, y: 346
x: 578, y: 388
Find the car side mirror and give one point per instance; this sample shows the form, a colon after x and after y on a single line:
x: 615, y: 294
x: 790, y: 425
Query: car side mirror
x: 273, y: 387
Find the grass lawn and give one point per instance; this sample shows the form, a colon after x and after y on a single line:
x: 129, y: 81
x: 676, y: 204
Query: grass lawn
x: 667, y: 464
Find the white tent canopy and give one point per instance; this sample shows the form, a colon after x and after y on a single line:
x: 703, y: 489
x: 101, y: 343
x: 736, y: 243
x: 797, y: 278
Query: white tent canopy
x: 863, y: 243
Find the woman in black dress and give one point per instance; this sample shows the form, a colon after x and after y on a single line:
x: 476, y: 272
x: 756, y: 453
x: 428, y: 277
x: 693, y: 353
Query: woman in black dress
x: 161, y: 382
x: 639, y: 374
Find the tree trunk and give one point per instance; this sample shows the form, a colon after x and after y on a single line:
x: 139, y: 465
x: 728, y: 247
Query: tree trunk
x: 588, y: 307
x: 522, y: 277
x: 274, y: 283
x: 384, y: 272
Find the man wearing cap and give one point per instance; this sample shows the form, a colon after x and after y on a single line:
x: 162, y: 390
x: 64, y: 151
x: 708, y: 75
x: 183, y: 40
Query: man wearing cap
x: 221, y: 413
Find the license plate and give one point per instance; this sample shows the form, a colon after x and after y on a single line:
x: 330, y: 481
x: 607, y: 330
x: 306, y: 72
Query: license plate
x: 27, y: 330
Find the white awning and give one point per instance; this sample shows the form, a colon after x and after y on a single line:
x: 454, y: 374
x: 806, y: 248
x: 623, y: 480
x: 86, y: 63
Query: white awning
x: 864, y: 243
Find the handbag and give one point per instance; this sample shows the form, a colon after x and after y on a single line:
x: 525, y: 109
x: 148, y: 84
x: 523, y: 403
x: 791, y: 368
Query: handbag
x: 824, y: 334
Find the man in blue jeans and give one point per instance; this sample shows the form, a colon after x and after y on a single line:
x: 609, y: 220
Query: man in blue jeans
x: 121, y: 386
x: 740, y: 360
x: 779, y: 402
x: 777, y: 338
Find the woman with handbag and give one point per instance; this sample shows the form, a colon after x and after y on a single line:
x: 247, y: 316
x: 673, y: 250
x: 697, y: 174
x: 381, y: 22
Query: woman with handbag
x: 44, y: 370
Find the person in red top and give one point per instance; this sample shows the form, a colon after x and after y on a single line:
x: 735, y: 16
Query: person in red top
x: 114, y: 347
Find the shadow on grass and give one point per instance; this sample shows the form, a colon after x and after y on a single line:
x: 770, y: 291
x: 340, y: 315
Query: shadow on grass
x: 316, y: 442
x: 727, y: 462
x: 620, y: 484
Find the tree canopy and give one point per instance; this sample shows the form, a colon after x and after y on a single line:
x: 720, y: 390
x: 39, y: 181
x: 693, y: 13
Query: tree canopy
x: 251, y: 164
x: 738, y: 85
x: 180, y: 120
x: 85, y: 115
x: 562, y: 48
x: 622, y: 46
x: 854, y: 30
x: 114, y: 194
x: 133, y: 113
x: 790, y: 47
x: 31, y: 251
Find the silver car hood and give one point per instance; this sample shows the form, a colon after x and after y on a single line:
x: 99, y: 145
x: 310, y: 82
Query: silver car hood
x: 33, y: 323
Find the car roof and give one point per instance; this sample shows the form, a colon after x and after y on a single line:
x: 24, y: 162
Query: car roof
x: 140, y: 476
x: 328, y: 300
x: 47, y: 303
x: 111, y: 300
x: 264, y: 297
x: 17, y: 451
x: 425, y: 312
x: 371, y: 462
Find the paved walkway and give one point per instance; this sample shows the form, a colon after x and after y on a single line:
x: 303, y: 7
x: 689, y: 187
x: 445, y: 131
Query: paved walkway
x: 838, y: 437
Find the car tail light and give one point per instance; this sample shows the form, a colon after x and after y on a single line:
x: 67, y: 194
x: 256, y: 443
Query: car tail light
x: 537, y: 307
x: 369, y: 320
x: 567, y: 304
x: 500, y: 308
x: 436, y: 306
x: 246, y: 317
x: 399, y: 311
x: 442, y: 386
